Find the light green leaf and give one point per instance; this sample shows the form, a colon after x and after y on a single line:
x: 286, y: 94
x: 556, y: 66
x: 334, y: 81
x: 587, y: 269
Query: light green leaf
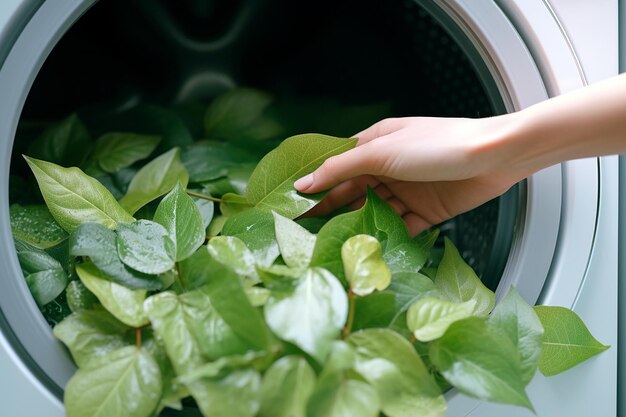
x: 182, y: 220
x: 146, y: 247
x: 365, y: 269
x: 393, y: 367
x: 125, y: 304
x: 114, y: 151
x: 173, y: 391
x: 223, y: 366
x: 237, y: 394
x: 156, y: 178
x: 65, y: 143
x: 409, y: 287
x: 458, y: 282
x: 35, y: 225
x: 429, y: 318
x: 209, y: 160
x: 191, y: 329
x: 79, y: 298
x: 566, y: 340
x: 336, y: 397
x: 312, y: 316
x: 255, y: 228
x: 91, y: 334
x: 520, y: 323
x: 74, y: 198
x: 233, y: 253
x: 480, y: 363
x: 287, y: 386
x: 232, y: 204
x: 126, y: 382
x: 206, y: 209
x: 257, y: 296
x: 295, y: 242
x: 99, y: 244
x: 271, y: 183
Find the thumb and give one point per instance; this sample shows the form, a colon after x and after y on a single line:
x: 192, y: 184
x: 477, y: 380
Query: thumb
x: 337, y: 169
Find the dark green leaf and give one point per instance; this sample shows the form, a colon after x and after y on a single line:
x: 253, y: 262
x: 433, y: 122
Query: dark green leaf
x: 375, y: 310
x: 156, y: 178
x: 480, y: 363
x: 91, y: 334
x: 74, y: 198
x: 35, y: 225
x: 458, y: 282
x: 233, y: 203
x: 389, y: 362
x: 65, y: 143
x: 271, y: 183
x: 182, y: 220
x: 196, y: 270
x: 287, y: 386
x: 125, y: 304
x: 410, y: 287
x: 79, y: 298
x: 114, y: 151
x: 34, y: 260
x: 209, y: 160
x: 255, y: 228
x: 173, y: 391
x: 295, y: 242
x: 236, y: 181
x: 520, y: 323
x: 126, y: 382
x: 312, y: 316
x: 364, y: 266
x: 98, y: 243
x: 146, y: 247
x: 566, y: 341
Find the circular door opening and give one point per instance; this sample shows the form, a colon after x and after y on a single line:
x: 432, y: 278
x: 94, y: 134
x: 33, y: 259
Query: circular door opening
x: 392, y: 59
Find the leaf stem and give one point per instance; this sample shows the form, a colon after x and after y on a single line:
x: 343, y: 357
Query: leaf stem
x: 138, y: 337
x: 352, y: 307
x: 204, y: 197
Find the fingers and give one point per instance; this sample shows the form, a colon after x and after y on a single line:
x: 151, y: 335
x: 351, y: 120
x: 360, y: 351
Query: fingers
x: 382, y: 128
x: 361, y: 160
x: 343, y: 194
x: 415, y: 224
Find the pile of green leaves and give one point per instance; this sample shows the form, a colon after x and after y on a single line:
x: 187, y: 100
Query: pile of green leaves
x: 185, y: 274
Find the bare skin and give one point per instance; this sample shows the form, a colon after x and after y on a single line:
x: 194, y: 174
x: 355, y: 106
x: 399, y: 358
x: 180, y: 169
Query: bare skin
x: 432, y: 169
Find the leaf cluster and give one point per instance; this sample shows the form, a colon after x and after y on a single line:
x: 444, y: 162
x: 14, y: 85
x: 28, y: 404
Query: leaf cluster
x: 187, y: 276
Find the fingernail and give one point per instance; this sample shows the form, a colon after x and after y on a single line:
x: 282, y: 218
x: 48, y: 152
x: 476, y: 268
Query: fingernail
x: 303, y: 183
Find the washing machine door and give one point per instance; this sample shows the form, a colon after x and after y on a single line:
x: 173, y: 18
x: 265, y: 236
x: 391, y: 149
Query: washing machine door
x: 563, y: 238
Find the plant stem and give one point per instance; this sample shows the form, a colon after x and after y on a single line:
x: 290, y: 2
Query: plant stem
x: 351, y: 311
x: 138, y: 337
x: 204, y: 197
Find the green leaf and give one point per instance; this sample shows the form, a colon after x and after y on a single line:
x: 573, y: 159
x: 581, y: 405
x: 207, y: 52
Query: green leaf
x: 566, y: 340
x: 235, y: 182
x: 35, y: 225
x: 255, y: 228
x: 271, y: 183
x: 74, y: 198
x: 195, y: 271
x: 426, y: 240
x: 375, y: 310
x: 182, y: 220
x: 146, y: 247
x: 236, y: 111
x: 257, y: 296
x: 520, y: 323
x: 114, y: 151
x: 287, y: 386
x: 295, y: 242
x: 233, y: 203
x: 312, y: 316
x: 391, y: 365
x: 91, y: 334
x: 99, y: 244
x: 409, y: 287
x: 173, y: 391
x: 125, y: 304
x: 206, y: 209
x: 156, y: 178
x: 223, y: 366
x: 65, y: 143
x: 365, y: 269
x: 233, y: 253
x: 209, y: 160
x: 458, y: 282
x: 336, y: 397
x: 237, y: 394
x: 429, y: 318
x: 79, y: 298
x: 480, y: 363
x: 126, y: 382
x: 44, y: 275
x: 191, y: 329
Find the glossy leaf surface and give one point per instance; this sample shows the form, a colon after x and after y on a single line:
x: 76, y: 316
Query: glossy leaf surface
x: 429, y: 318
x: 114, y: 151
x: 363, y: 264
x: 35, y: 225
x: 287, y: 386
x: 146, y: 247
x: 295, y: 242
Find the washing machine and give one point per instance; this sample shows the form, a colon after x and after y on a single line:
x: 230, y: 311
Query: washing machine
x: 554, y: 236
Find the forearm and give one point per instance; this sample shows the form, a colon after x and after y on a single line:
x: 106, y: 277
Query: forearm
x: 584, y: 123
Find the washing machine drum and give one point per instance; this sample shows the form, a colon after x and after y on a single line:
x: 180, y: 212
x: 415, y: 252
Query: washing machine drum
x: 119, y: 54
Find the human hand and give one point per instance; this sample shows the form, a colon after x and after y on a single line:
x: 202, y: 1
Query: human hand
x: 427, y: 169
